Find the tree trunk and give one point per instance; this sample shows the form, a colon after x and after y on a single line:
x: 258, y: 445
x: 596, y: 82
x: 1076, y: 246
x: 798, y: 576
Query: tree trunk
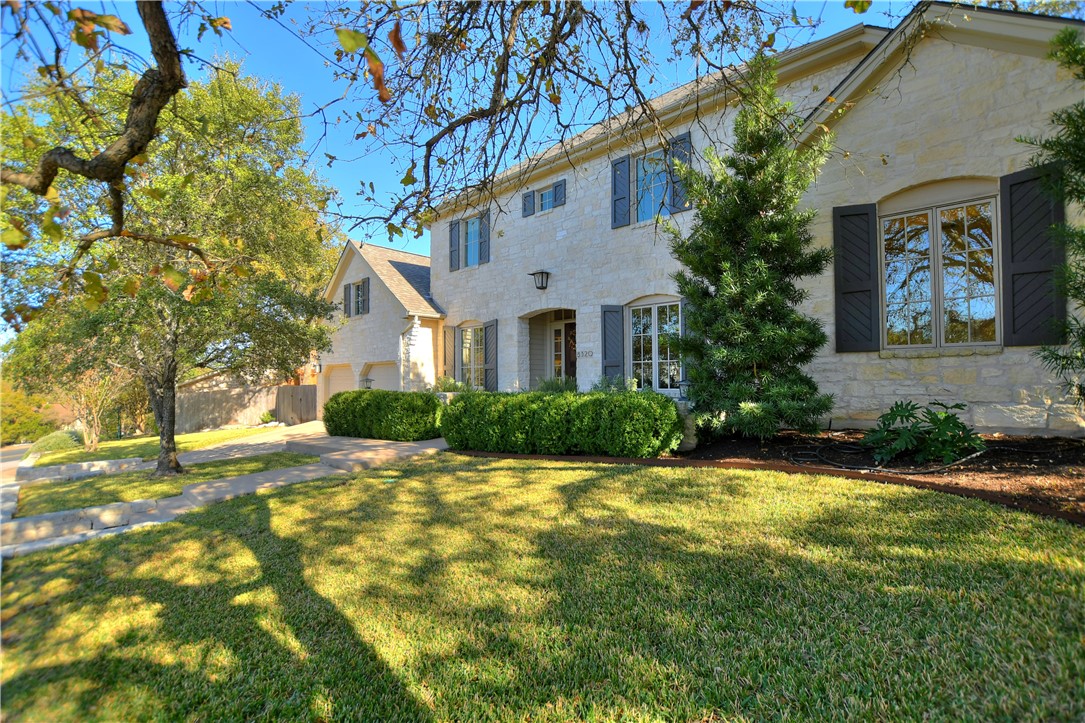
x: 162, y: 390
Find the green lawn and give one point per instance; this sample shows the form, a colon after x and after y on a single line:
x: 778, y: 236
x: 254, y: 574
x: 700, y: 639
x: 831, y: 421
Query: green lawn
x: 76, y: 494
x: 457, y: 588
x: 147, y: 447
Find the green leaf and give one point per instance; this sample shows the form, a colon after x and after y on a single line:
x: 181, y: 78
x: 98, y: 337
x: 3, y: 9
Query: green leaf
x: 858, y: 6
x: 172, y: 278
x: 14, y: 239
x: 113, y: 24
x: 182, y: 238
x: 351, y: 40
x: 152, y: 192
x: 131, y: 286
x: 409, y: 178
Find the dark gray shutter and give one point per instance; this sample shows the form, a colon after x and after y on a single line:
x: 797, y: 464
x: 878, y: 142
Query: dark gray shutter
x: 450, y: 352
x: 529, y: 204
x: 365, y: 296
x: 619, y: 192
x: 1033, y: 309
x: 489, y: 350
x: 613, y: 342
x: 454, y: 246
x: 457, y: 353
x: 484, y: 238
x: 858, y: 291
x: 559, y: 193
x: 681, y: 150
x: 346, y: 300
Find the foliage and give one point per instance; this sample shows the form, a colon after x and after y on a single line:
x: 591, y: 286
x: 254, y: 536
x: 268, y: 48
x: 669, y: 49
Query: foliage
x: 26, y: 417
x: 453, y: 588
x: 130, y: 486
x: 1066, y: 149
x: 237, y: 289
x: 146, y: 448
x: 933, y: 433
x: 628, y: 424
x: 381, y: 414
x: 448, y: 384
x: 746, y: 340
x: 557, y: 385
x: 614, y: 384
x: 267, y: 417
x: 60, y: 440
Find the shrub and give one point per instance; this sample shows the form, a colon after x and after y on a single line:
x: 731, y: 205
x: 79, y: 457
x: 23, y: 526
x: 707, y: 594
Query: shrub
x: 267, y: 417
x: 379, y: 414
x: 614, y: 384
x: 57, y: 441
x: 613, y: 425
x: 554, y: 385
x: 24, y: 416
x: 448, y: 384
x: 930, y: 433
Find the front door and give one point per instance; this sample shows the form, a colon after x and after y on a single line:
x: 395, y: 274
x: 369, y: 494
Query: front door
x: 563, y: 350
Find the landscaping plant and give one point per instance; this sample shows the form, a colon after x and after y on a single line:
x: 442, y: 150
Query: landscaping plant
x: 556, y: 385
x: 932, y: 433
x: 746, y: 341
x: 1066, y: 149
x: 381, y: 414
x: 61, y: 439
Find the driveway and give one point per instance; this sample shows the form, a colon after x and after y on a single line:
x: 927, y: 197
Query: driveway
x: 9, y: 460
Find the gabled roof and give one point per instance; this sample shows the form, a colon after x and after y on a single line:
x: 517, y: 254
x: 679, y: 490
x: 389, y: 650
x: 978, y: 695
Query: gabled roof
x: 405, y: 274
x: 1006, y: 30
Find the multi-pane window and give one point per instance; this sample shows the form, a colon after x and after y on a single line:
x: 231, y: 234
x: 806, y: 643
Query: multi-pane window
x: 656, y: 364
x: 361, y: 297
x: 940, y: 276
x: 653, y: 181
x: 473, y: 357
x: 471, y: 235
x: 546, y: 199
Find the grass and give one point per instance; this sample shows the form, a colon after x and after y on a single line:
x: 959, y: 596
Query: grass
x: 146, y: 447
x: 129, y: 486
x: 457, y: 588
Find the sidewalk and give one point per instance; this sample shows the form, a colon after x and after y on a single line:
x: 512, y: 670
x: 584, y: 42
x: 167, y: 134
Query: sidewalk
x: 338, y: 456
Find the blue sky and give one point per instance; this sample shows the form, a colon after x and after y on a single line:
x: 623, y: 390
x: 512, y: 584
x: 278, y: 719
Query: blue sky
x: 271, y: 51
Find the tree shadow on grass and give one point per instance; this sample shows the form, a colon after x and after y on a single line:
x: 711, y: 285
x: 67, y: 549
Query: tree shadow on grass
x: 265, y: 646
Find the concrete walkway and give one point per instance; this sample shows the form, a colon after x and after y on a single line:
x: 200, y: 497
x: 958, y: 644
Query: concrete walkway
x: 338, y: 456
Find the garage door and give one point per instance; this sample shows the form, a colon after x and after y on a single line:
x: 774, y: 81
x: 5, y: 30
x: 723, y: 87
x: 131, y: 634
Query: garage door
x: 385, y: 376
x: 339, y: 379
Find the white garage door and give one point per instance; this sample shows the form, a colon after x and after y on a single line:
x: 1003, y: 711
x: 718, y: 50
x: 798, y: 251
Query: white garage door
x: 339, y: 379
x: 385, y: 376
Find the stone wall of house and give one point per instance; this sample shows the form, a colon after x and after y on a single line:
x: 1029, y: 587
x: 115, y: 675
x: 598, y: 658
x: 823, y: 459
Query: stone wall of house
x: 952, y: 111
x: 371, y: 338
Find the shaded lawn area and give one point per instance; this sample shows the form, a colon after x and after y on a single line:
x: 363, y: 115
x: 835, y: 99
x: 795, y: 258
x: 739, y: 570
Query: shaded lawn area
x: 146, y: 447
x: 130, y: 486
x: 458, y: 588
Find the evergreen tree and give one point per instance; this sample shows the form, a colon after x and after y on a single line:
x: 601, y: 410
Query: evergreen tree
x: 1066, y: 149
x: 746, y: 341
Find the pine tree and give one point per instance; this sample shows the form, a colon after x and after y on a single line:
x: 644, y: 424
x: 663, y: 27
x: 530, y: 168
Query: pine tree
x: 746, y: 342
x: 1066, y: 150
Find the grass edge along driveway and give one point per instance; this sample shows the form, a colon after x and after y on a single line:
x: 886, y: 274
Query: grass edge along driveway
x: 450, y: 587
x: 130, y: 486
x: 146, y: 447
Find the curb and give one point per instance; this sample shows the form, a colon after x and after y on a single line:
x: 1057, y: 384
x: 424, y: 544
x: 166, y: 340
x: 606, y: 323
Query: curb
x: 1076, y: 518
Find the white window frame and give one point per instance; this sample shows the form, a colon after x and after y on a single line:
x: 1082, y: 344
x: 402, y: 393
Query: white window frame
x: 655, y: 362
x: 356, y: 292
x: 547, y: 197
x: 938, y: 297
x: 466, y: 242
x: 664, y: 209
x: 474, y: 369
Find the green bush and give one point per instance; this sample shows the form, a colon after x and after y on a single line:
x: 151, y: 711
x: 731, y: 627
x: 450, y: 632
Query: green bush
x: 57, y: 441
x: 630, y: 424
x: 931, y: 433
x: 379, y: 414
x: 557, y: 385
x: 448, y: 384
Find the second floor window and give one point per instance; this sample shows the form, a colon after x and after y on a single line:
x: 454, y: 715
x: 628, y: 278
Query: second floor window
x: 653, y: 186
x: 470, y: 241
x: 361, y: 297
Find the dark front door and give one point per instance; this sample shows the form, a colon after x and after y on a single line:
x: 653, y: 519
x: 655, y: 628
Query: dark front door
x: 570, y: 349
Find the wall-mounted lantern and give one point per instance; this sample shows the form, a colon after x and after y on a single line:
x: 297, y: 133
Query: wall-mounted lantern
x: 542, y: 279
x: 367, y: 383
x: 683, y: 389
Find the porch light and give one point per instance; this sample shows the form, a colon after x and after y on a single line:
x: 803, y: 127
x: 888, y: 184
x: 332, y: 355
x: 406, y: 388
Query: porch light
x: 316, y: 367
x: 367, y: 383
x: 683, y: 390
x: 542, y: 279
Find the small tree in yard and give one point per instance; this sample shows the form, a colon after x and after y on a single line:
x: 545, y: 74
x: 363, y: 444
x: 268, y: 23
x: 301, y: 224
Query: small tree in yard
x: 745, y: 341
x: 1067, y: 149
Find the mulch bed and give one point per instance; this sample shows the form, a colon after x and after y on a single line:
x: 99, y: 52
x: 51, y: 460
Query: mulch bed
x: 1042, y: 474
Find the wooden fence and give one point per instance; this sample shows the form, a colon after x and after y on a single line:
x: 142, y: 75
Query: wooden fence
x: 220, y: 407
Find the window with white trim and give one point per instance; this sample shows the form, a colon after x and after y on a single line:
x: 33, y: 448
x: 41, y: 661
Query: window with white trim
x: 361, y: 297
x: 653, y: 186
x: 471, y: 235
x: 546, y: 199
x: 473, y: 356
x: 939, y: 268
x: 655, y: 360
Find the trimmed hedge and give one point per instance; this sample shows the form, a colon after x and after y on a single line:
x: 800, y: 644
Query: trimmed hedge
x: 625, y: 424
x: 57, y: 441
x: 380, y: 414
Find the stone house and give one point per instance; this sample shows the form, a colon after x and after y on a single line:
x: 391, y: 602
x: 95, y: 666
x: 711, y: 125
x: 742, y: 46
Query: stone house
x: 388, y: 325
x: 942, y: 285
